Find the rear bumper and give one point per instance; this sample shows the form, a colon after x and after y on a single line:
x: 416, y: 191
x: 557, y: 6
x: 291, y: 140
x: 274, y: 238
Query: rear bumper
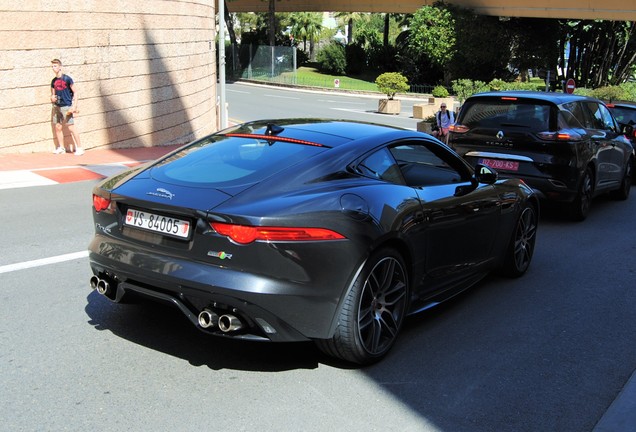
x: 269, y: 309
x: 551, y: 182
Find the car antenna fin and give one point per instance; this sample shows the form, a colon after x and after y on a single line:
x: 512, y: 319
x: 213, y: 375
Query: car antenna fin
x: 273, y: 129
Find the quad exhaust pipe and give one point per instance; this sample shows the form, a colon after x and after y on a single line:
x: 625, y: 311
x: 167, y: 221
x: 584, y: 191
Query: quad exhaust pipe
x: 226, y: 322
x: 101, y: 285
x: 229, y: 323
x: 208, y: 318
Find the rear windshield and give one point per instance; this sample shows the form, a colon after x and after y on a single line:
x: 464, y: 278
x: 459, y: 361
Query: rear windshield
x: 506, y: 113
x: 231, y: 161
x: 624, y: 115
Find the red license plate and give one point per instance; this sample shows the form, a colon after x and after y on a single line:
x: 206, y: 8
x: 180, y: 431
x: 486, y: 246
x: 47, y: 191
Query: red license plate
x: 504, y: 165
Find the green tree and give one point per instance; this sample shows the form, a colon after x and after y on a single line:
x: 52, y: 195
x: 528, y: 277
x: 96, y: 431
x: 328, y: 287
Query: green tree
x: 367, y: 31
x: 348, y: 18
x: 600, y: 52
x: 331, y: 59
x: 535, y: 44
x: 391, y: 83
x: 433, y: 34
x: 307, y: 27
x: 483, y: 47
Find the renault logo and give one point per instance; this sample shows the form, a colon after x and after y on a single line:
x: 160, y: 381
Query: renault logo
x: 500, y: 135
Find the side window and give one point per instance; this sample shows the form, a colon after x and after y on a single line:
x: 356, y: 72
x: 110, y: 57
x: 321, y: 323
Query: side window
x: 608, y: 121
x: 582, y: 118
x: 428, y: 165
x: 382, y: 166
x: 598, y: 122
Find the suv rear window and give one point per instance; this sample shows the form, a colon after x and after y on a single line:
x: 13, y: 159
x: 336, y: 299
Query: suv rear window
x: 624, y: 115
x: 507, y: 113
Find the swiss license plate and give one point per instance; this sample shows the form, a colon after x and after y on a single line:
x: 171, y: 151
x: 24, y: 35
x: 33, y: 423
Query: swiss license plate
x: 499, y: 164
x: 157, y: 223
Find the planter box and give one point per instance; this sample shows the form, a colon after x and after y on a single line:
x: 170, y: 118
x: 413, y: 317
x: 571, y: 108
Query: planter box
x: 424, y: 126
x: 389, y: 106
x: 422, y: 111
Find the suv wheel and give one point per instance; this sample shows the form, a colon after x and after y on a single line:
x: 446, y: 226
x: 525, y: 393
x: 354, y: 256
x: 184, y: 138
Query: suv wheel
x: 581, y: 205
x: 622, y: 193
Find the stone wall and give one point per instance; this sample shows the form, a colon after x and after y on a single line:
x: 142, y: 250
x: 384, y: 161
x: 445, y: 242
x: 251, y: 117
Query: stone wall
x: 144, y: 71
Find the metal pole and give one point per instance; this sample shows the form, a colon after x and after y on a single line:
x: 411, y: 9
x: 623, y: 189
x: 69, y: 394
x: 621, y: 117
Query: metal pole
x: 223, y: 114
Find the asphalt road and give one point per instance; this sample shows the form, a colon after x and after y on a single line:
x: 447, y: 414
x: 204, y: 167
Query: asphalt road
x: 547, y: 352
x: 255, y: 102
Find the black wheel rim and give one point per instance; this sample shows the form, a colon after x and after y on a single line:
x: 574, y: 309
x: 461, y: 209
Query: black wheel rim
x: 524, y: 239
x: 382, y: 306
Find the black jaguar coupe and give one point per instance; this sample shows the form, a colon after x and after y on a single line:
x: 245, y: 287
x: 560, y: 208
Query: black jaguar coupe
x: 308, y: 229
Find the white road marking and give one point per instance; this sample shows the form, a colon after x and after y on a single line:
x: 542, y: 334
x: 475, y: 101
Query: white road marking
x: 342, y: 102
x: 22, y: 178
x: 282, y: 97
x: 42, y: 262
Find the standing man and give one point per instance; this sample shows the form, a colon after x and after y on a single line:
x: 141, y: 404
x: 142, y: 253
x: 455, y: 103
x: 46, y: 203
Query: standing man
x: 64, y: 100
x: 444, y: 119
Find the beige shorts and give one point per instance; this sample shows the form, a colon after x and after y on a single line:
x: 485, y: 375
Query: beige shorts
x: 61, y: 115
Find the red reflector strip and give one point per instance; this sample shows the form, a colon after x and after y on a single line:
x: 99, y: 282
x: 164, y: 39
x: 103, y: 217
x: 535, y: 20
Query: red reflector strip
x: 244, y: 234
x: 275, y: 138
x: 100, y: 203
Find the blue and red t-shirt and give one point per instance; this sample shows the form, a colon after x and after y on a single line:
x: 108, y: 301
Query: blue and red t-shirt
x: 63, y: 90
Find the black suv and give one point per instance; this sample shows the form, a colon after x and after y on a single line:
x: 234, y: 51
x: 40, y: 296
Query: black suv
x: 568, y: 147
x: 625, y: 115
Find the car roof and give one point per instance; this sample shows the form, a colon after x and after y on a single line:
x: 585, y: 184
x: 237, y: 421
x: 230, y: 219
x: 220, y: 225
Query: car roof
x: 622, y: 104
x: 329, y: 132
x: 553, y: 97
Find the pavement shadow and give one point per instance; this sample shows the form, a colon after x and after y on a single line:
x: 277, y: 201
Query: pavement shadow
x: 163, y: 328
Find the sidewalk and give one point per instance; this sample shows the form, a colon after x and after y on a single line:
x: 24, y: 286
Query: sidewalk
x: 39, y: 169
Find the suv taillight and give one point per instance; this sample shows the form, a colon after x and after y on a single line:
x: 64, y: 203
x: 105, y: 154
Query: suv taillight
x: 458, y: 128
x: 559, y: 136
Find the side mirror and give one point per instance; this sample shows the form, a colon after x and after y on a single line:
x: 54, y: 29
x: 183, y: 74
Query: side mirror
x: 485, y: 174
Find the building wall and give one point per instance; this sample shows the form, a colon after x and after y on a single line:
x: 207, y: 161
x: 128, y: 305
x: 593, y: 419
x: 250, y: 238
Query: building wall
x: 144, y: 71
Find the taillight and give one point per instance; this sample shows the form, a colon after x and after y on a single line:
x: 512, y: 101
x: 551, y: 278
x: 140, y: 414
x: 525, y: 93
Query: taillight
x: 100, y: 203
x: 458, y: 128
x: 244, y: 234
x: 559, y: 136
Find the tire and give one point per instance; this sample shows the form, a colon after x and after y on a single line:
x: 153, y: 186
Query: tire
x: 580, y: 208
x: 521, y: 247
x: 373, y: 311
x: 622, y: 193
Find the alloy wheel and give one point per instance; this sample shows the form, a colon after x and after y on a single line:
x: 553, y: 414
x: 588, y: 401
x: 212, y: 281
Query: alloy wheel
x: 525, y: 239
x: 382, y: 305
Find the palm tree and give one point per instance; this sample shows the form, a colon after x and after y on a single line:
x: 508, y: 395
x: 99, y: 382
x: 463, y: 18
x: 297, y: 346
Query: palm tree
x: 348, y: 17
x: 306, y: 26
